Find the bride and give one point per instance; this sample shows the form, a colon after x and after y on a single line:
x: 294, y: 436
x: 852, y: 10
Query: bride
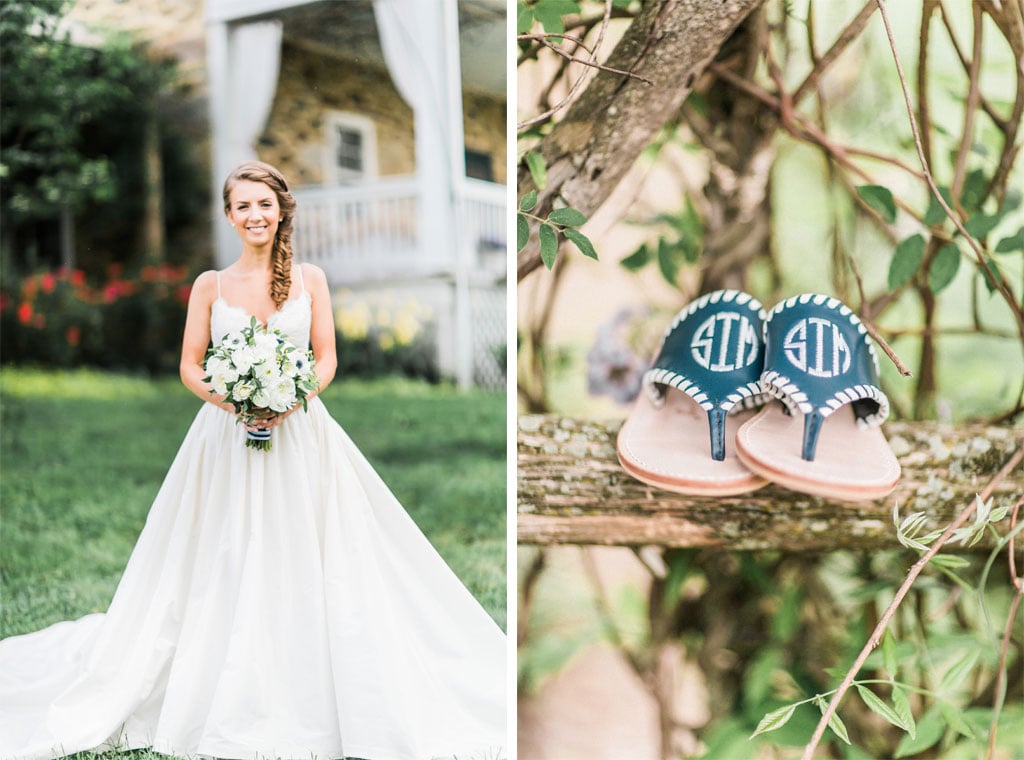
x: 278, y: 604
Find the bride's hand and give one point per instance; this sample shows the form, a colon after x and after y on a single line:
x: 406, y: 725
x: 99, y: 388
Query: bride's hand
x: 268, y: 419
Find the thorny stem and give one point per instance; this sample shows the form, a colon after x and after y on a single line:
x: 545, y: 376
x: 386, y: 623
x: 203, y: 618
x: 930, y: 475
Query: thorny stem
x: 883, y: 621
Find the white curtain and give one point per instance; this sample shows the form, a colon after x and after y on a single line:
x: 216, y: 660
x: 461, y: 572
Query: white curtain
x: 412, y: 38
x: 254, y: 62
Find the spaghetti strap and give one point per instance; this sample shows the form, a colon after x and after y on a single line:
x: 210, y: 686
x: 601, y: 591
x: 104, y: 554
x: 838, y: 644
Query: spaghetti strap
x: 301, y: 283
x: 217, y: 272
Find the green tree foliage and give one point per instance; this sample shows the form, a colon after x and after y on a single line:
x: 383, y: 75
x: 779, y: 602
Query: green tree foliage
x: 71, y: 137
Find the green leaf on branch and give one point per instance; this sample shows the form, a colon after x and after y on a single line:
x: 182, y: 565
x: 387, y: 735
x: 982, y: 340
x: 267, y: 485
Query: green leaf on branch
x: 992, y: 281
x: 929, y: 730
x: 538, y: 168
x: 880, y: 199
x: 522, y: 232
x: 550, y: 12
x: 906, y: 260
x: 953, y: 677
x: 1012, y: 243
x: 952, y: 715
x: 548, y: 244
x: 935, y: 212
x: 528, y: 201
x: 773, y: 720
x: 834, y: 721
x: 567, y: 217
x: 638, y: 259
x: 943, y: 267
x: 979, y: 225
x: 524, y: 18
x: 582, y: 242
x: 901, y: 703
x: 669, y: 261
x: 889, y: 658
x: 973, y: 192
x: 877, y: 706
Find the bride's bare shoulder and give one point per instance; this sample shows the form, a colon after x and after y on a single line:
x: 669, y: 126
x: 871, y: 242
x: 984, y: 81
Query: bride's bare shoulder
x: 313, y: 275
x: 205, y: 286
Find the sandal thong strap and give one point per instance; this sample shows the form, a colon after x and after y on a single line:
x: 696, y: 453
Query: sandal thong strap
x: 819, y: 358
x: 712, y: 352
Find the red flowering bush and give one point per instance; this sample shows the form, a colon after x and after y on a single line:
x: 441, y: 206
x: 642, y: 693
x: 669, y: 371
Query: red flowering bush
x: 132, y: 321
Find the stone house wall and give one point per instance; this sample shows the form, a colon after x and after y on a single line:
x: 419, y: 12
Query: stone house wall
x: 311, y: 84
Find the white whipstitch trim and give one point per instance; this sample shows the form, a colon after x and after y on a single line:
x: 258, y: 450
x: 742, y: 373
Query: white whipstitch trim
x: 781, y: 387
x: 654, y: 377
x: 834, y: 304
x: 856, y: 393
x: 745, y: 397
x: 728, y: 296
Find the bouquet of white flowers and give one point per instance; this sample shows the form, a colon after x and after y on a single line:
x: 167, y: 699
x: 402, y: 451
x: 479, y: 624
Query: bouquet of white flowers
x: 258, y: 369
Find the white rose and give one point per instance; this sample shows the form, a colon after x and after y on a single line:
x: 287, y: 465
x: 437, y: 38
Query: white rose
x: 215, y: 364
x: 265, y: 373
x: 260, y: 399
x: 242, y: 390
x: 243, y: 358
x: 282, y: 394
x: 221, y: 379
x: 265, y: 341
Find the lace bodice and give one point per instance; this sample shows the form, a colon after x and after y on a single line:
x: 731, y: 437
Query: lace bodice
x: 293, y: 319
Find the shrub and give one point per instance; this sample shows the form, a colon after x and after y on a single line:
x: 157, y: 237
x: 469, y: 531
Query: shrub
x: 57, y: 318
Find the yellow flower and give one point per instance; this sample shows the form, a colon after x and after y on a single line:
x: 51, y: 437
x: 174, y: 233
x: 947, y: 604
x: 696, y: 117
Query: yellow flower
x: 406, y: 328
x: 353, y: 321
x: 386, y: 341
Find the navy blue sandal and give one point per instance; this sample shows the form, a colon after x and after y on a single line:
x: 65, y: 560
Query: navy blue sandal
x: 702, y: 387
x: 824, y: 437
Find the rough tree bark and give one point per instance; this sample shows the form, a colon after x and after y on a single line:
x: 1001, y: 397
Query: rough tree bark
x: 571, y: 490
x: 589, y: 151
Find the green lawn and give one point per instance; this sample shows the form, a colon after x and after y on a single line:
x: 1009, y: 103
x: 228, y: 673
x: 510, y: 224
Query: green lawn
x: 83, y: 453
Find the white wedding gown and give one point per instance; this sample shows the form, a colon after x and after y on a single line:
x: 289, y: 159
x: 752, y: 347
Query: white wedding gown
x: 277, y: 604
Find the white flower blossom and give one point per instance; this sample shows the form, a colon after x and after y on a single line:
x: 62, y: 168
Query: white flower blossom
x: 242, y: 390
x: 243, y: 358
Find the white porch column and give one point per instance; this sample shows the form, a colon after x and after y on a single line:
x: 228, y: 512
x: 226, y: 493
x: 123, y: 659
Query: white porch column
x: 420, y: 40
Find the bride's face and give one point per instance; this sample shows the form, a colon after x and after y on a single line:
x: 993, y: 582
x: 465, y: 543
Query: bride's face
x: 254, y: 212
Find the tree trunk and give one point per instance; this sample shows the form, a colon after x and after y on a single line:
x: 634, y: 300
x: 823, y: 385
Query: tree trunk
x: 571, y: 490
x: 153, y: 244
x: 587, y: 153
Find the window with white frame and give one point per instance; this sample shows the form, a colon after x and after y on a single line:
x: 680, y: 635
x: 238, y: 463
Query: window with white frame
x: 351, y: 147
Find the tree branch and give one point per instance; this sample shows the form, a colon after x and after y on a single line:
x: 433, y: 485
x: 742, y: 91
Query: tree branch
x: 572, y: 490
x: 611, y: 122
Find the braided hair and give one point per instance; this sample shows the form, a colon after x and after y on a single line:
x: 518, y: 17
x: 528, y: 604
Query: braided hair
x: 281, y: 254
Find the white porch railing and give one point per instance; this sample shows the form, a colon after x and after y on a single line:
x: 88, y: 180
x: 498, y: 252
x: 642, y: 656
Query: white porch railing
x: 368, y: 232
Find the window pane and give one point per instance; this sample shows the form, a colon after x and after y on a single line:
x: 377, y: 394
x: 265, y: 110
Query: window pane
x: 350, y: 149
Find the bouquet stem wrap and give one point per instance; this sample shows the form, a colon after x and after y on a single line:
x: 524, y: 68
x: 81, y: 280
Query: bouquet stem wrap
x: 258, y: 439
